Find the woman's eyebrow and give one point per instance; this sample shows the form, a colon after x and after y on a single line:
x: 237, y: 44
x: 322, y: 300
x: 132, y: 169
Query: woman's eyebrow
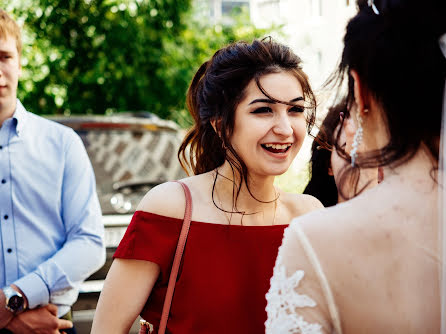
x: 300, y: 98
x: 262, y: 100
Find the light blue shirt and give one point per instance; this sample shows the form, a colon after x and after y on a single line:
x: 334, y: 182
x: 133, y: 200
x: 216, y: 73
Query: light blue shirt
x: 50, y: 220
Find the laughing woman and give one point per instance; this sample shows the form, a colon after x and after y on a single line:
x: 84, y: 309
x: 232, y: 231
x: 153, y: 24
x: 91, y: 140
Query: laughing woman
x: 252, y: 106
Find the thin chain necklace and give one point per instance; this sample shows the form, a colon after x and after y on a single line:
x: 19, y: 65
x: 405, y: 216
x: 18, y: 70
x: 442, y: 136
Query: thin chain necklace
x: 229, y: 217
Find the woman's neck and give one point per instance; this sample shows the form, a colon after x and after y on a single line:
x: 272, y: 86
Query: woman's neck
x: 419, y: 170
x: 259, y: 196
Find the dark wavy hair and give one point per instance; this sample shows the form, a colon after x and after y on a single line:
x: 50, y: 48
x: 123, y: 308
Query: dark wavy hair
x: 215, y: 92
x: 398, y: 58
x: 322, y: 185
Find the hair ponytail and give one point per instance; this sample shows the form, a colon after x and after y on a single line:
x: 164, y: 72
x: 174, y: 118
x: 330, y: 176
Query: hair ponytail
x: 198, y: 159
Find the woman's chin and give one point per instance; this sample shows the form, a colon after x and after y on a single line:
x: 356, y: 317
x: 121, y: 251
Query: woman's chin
x: 276, y: 171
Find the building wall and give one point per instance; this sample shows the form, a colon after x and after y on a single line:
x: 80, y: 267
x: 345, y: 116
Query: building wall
x: 313, y: 28
x: 219, y: 9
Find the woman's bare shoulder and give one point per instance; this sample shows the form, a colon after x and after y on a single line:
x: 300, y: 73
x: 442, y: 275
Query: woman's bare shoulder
x: 300, y: 204
x: 168, y: 199
x: 336, y: 217
x: 335, y: 231
x: 348, y: 235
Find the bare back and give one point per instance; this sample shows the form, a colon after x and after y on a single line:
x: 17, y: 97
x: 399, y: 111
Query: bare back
x: 388, y: 264
x: 379, y: 255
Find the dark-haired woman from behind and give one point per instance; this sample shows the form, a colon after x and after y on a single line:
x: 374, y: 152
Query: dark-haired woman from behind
x: 252, y: 106
x: 373, y: 264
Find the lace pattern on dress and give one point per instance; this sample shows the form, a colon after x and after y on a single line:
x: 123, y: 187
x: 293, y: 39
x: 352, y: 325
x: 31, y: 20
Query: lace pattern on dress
x: 283, y: 299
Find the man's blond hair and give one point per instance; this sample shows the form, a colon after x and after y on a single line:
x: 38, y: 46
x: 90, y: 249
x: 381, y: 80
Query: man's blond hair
x: 10, y: 28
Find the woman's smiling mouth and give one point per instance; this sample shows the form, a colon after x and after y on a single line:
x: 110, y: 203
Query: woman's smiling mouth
x: 276, y: 148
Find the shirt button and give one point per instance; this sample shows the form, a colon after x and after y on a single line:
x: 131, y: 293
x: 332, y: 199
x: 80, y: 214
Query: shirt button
x: 3, y: 181
x: 9, y: 250
x: 6, y: 217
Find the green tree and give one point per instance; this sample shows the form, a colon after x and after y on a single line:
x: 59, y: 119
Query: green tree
x: 96, y: 56
x: 197, y: 43
x: 89, y: 56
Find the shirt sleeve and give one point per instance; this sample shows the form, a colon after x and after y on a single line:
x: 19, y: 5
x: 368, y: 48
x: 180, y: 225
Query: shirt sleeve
x: 83, y: 251
x: 153, y: 238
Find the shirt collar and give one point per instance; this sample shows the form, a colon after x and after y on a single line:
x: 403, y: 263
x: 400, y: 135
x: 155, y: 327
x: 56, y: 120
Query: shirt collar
x: 20, y: 115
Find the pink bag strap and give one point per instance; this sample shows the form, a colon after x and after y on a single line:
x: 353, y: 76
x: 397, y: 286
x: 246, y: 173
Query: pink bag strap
x: 177, y: 259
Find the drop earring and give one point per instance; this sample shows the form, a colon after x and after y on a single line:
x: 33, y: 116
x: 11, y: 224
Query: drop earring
x: 357, y: 139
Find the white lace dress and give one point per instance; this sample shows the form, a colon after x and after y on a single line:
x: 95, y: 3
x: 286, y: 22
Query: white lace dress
x: 285, y: 300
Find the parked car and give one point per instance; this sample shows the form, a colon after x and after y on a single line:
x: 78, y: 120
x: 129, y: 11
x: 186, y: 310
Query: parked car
x: 130, y: 154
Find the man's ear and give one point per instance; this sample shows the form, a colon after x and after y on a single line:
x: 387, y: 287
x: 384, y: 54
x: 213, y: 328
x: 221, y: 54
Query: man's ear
x: 361, y: 96
x: 20, y: 66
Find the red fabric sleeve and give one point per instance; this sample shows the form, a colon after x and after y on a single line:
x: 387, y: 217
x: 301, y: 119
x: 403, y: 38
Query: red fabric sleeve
x: 151, y: 237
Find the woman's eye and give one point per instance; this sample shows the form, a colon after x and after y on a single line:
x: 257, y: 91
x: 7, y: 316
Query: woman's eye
x: 298, y: 109
x: 262, y: 110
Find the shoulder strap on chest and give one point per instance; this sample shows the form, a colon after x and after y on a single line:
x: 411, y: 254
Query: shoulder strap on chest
x: 177, y: 259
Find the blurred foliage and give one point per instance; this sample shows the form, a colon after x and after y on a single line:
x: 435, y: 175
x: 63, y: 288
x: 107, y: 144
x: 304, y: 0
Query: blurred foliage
x: 293, y: 180
x: 101, y: 56
x: 196, y: 44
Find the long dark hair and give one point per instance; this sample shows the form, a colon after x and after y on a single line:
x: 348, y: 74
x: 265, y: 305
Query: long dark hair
x: 322, y: 185
x: 397, y: 56
x: 216, y: 90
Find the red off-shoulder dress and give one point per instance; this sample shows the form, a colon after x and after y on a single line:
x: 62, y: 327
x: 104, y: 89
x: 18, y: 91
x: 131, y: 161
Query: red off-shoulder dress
x: 223, y: 278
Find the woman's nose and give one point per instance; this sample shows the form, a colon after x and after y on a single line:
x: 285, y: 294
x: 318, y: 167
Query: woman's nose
x: 283, y: 125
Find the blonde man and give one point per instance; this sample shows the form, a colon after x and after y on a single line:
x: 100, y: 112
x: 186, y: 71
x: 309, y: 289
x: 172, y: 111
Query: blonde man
x: 51, y: 237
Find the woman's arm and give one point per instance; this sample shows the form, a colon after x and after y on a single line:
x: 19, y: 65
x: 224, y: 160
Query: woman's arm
x: 126, y: 289
x: 129, y: 282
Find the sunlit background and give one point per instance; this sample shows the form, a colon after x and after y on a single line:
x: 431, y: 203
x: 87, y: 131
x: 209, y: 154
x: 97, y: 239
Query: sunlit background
x: 108, y: 56
x: 117, y: 71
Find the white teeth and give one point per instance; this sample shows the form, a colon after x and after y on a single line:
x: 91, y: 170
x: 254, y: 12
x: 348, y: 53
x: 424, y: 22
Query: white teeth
x: 278, y: 146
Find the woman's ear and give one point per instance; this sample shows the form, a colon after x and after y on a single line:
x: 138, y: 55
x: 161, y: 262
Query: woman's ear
x: 214, y: 125
x: 360, y: 92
